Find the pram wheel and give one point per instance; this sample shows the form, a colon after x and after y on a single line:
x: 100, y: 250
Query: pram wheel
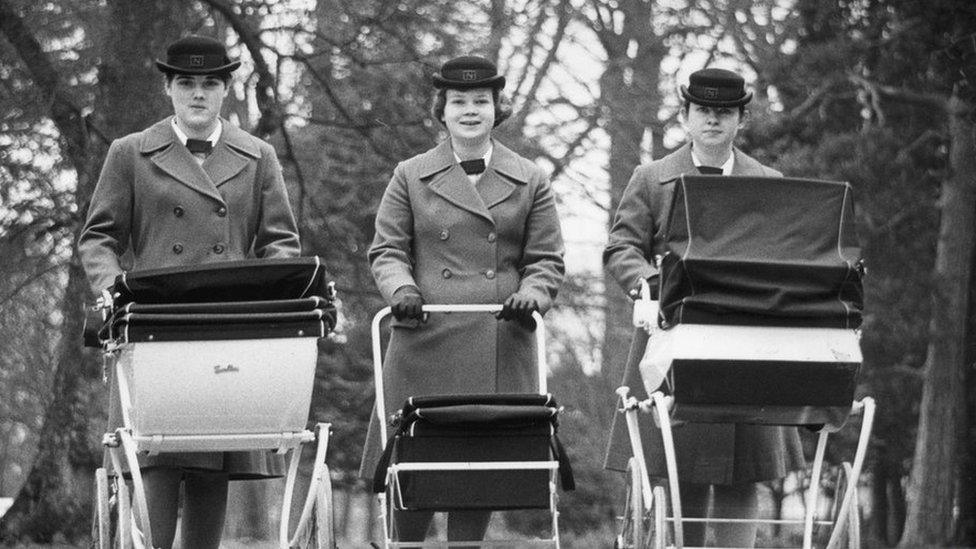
x: 324, y: 516
x: 845, y: 518
x: 642, y: 523
x: 320, y: 530
x: 102, y: 519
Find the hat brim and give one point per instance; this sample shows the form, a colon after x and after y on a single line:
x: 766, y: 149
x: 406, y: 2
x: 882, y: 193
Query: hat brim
x: 172, y: 69
x: 495, y: 82
x: 715, y: 102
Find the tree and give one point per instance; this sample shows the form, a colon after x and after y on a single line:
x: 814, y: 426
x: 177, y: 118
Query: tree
x: 55, y: 499
x: 936, y: 478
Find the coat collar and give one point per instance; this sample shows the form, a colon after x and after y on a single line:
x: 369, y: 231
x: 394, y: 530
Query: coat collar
x: 230, y: 156
x: 679, y: 162
x: 446, y: 178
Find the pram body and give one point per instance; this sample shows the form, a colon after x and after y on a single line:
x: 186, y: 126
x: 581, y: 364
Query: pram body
x: 467, y: 452
x: 200, y: 365
x: 760, y: 302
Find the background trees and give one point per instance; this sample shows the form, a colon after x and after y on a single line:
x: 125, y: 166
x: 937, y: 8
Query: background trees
x: 876, y: 92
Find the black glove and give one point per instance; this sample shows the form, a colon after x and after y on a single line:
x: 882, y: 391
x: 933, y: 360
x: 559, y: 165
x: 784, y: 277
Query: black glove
x: 407, y: 303
x: 519, y: 308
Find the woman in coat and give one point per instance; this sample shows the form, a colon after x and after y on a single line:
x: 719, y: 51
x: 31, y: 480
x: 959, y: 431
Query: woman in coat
x: 189, y: 189
x: 724, y: 461
x: 468, y: 221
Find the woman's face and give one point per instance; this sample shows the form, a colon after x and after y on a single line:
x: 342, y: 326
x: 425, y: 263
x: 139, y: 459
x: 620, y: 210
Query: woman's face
x: 712, y: 127
x: 469, y: 114
x: 196, y: 101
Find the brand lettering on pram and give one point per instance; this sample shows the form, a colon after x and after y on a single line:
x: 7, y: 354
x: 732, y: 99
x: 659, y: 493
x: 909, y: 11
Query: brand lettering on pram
x: 220, y: 369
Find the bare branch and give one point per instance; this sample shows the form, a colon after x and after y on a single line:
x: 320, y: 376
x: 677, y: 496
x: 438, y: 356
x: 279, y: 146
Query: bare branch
x: 266, y: 95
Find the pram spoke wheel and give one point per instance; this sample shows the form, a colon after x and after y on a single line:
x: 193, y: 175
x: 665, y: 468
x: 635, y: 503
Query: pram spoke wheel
x: 325, y: 517
x: 642, y: 524
x: 846, y: 518
x: 102, y: 523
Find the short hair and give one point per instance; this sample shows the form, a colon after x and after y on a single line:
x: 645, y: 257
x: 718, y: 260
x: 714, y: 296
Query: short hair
x: 742, y: 108
x: 223, y: 76
x: 502, y: 108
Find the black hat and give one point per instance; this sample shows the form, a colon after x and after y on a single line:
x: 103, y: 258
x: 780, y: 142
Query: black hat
x: 197, y: 55
x: 462, y: 73
x: 716, y: 88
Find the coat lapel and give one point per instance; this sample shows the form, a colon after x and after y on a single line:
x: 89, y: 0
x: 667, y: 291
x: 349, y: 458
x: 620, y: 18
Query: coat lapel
x: 676, y: 164
x: 446, y: 179
x: 745, y: 164
x: 164, y: 150
x: 230, y: 156
x: 503, y: 174
x: 679, y: 162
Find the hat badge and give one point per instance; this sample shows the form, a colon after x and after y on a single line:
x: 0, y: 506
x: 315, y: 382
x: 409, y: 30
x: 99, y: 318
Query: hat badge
x: 468, y: 75
x: 196, y: 60
x: 711, y: 93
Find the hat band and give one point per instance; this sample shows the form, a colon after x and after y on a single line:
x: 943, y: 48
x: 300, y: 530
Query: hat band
x: 715, y: 93
x: 197, y: 61
x: 467, y: 75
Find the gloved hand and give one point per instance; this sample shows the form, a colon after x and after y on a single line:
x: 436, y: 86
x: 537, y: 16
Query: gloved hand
x: 407, y: 303
x: 653, y: 284
x: 520, y: 308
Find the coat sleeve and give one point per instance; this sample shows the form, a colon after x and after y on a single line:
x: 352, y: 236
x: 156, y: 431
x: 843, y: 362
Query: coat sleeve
x: 631, y: 238
x: 391, y: 253
x: 105, y: 236
x: 277, y: 232
x: 542, y: 268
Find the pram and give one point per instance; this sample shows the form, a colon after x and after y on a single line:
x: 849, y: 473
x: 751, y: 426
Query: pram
x: 760, y: 303
x: 213, y: 358
x: 485, y: 452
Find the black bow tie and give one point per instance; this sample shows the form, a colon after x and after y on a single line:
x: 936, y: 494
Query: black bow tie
x: 472, y: 167
x: 199, y: 146
x: 709, y: 170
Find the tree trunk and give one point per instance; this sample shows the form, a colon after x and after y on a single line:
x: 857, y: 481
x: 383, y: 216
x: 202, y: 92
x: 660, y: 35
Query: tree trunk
x: 628, y: 89
x: 933, y: 486
x: 55, y: 500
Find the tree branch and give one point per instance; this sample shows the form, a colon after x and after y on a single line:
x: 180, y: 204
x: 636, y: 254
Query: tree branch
x: 267, y: 98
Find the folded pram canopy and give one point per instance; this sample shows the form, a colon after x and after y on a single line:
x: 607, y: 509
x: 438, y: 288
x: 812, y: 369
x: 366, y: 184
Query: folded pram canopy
x: 243, y: 280
x: 761, y: 251
x: 247, y: 299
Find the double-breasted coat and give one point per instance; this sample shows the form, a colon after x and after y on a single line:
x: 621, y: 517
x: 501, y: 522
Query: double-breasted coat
x: 706, y: 453
x: 156, y: 204
x: 463, y: 243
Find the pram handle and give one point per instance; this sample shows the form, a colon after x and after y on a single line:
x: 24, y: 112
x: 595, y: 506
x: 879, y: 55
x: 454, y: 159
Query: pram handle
x: 490, y: 308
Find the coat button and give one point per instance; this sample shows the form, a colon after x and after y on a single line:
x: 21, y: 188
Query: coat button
x: 490, y: 274
x: 218, y: 248
x: 445, y: 234
x: 221, y: 211
x: 492, y: 237
x: 446, y: 273
x: 178, y: 211
x: 177, y: 248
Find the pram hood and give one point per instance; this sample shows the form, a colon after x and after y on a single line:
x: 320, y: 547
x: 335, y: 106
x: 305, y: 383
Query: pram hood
x: 247, y: 299
x: 761, y: 251
x: 243, y: 280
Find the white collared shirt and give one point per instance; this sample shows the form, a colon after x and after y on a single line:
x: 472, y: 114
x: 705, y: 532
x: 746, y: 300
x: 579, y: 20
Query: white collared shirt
x: 726, y: 167
x: 475, y: 177
x: 212, y: 138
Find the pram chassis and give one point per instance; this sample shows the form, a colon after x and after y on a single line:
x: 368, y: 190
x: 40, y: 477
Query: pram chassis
x: 128, y: 526
x: 391, y: 499
x: 653, y: 500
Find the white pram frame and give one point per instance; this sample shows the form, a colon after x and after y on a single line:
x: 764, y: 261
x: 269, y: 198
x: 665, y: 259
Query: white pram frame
x: 645, y: 520
x: 128, y: 526
x: 390, y: 500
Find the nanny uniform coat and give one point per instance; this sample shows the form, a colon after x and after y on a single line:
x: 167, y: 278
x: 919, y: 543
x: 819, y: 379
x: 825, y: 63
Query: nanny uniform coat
x: 462, y: 243
x: 155, y: 201
x: 706, y: 453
